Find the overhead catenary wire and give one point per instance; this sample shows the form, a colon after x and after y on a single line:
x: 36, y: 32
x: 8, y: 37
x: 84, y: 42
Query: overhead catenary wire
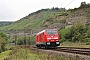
x: 69, y: 3
x: 63, y: 2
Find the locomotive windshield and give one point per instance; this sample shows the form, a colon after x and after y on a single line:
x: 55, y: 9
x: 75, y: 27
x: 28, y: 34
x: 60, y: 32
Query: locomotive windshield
x: 51, y: 32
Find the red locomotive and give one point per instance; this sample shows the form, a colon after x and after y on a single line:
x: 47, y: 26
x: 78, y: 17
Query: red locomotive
x: 48, y: 38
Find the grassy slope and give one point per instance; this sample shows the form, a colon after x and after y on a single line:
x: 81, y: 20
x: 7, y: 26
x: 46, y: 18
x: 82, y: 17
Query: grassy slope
x: 3, y: 54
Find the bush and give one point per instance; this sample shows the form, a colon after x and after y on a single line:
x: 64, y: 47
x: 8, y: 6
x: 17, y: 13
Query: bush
x: 6, y: 58
x: 87, y: 41
x: 12, y: 48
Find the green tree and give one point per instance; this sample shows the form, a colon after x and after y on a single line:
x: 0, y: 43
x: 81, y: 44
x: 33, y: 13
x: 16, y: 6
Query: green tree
x: 83, y: 5
x: 4, y: 36
x: 3, y: 41
x: 78, y: 32
x: 88, y: 33
x: 3, y: 46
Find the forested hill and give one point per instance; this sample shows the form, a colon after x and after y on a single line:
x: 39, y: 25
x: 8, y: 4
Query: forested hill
x: 4, y: 23
x: 52, y: 18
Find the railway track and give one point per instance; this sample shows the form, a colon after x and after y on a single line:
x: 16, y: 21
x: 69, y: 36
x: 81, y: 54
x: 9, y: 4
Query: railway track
x: 75, y: 50
x: 83, y: 51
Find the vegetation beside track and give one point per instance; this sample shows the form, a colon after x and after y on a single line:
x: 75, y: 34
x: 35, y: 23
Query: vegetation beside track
x: 22, y: 53
x: 3, y: 54
x: 28, y: 53
x: 77, y: 33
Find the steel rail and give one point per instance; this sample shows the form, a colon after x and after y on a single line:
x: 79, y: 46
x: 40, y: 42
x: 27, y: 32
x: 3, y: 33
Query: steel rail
x: 75, y: 50
x: 83, y: 51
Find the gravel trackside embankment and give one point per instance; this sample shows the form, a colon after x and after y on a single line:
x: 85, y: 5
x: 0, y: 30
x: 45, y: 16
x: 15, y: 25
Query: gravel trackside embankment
x: 68, y: 56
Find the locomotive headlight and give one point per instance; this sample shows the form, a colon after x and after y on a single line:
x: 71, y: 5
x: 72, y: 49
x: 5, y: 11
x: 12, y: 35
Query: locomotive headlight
x: 57, y: 42
x: 48, y: 43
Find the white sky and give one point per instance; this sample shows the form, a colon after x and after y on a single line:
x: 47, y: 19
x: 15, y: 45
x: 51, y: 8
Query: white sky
x: 13, y: 10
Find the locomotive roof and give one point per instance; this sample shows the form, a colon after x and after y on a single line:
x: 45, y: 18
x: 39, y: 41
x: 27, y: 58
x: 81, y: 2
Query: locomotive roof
x: 44, y: 30
x: 40, y: 32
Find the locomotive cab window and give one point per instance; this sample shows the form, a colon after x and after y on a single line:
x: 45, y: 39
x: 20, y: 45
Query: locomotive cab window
x: 49, y: 32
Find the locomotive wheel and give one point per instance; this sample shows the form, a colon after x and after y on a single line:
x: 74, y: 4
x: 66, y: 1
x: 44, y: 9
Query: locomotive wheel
x: 55, y: 47
x: 46, y: 47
